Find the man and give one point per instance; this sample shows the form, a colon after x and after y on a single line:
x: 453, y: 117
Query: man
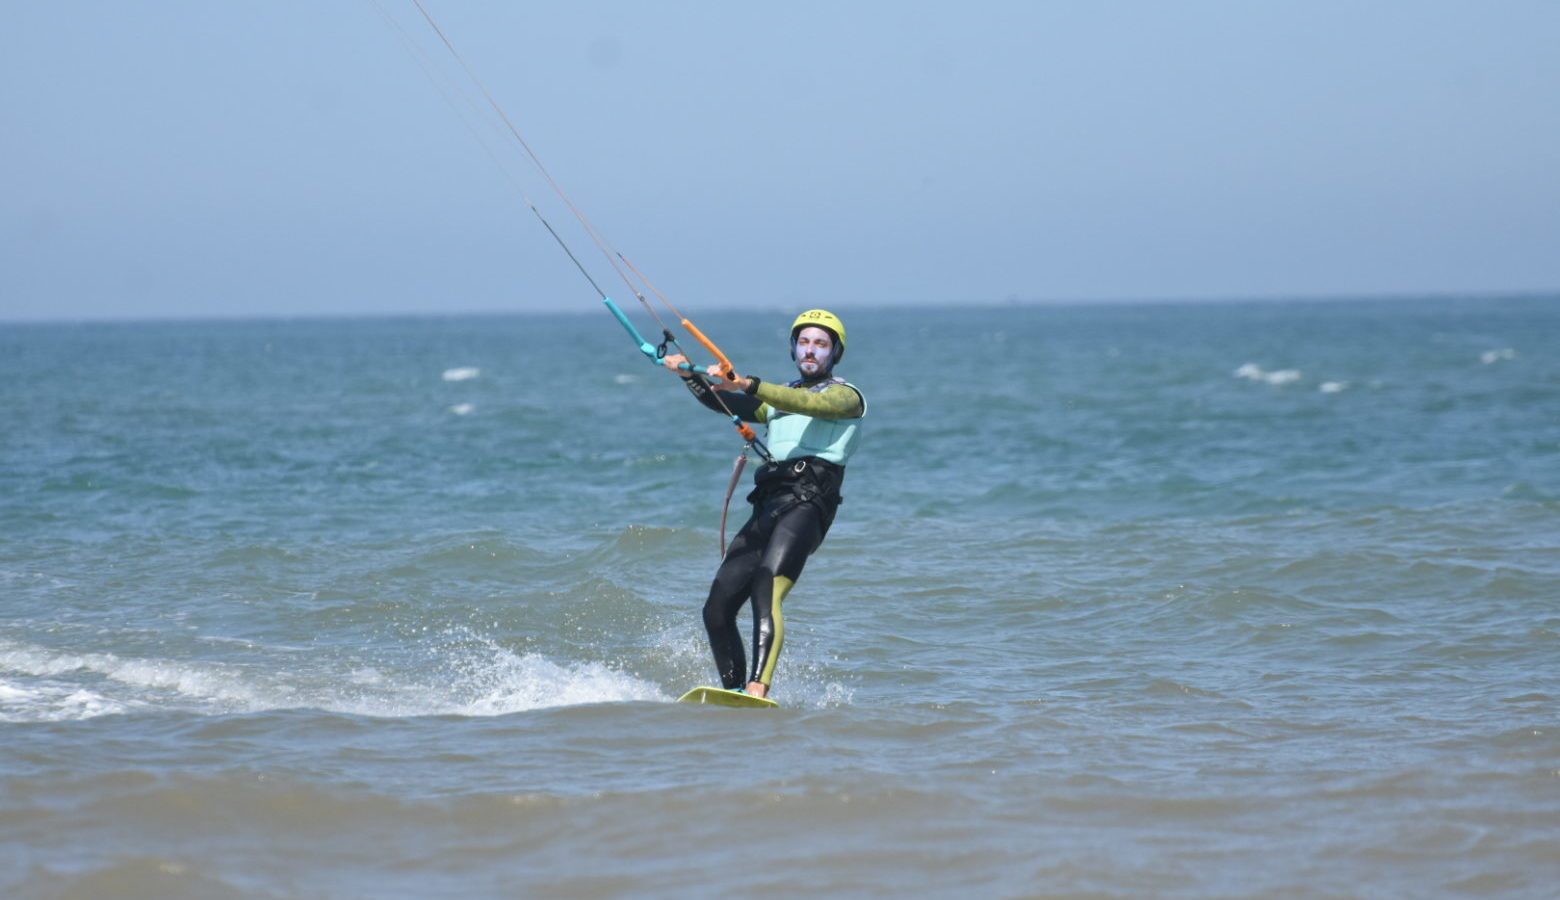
x: 813, y: 428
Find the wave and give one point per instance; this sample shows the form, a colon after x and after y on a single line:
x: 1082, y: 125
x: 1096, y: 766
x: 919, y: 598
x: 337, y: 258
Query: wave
x: 1254, y: 372
x: 1285, y: 377
x: 460, y: 674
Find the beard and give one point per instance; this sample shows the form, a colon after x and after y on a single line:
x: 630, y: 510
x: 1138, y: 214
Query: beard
x: 813, y: 366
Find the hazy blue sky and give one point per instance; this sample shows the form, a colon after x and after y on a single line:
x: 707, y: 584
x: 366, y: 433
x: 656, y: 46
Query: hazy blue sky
x: 216, y: 158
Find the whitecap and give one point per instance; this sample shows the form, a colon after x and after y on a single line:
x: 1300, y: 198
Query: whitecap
x: 492, y: 680
x: 462, y: 373
x: 479, y: 678
x: 52, y: 701
x: 463, y: 409
x: 1490, y: 357
x: 518, y: 683
x: 59, y: 674
x: 1334, y: 387
x: 1254, y: 372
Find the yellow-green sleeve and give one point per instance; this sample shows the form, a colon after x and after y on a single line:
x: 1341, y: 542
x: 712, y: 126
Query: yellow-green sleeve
x: 837, y: 401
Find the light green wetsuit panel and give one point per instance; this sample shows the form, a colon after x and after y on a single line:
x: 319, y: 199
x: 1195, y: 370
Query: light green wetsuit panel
x: 823, y: 420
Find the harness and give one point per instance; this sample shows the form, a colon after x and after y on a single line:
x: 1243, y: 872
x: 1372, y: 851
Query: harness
x: 783, y: 485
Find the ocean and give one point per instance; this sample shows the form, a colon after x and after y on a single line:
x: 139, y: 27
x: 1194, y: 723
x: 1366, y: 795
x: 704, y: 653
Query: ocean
x: 1179, y: 600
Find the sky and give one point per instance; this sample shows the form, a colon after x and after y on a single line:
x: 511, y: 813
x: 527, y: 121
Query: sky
x: 195, y: 158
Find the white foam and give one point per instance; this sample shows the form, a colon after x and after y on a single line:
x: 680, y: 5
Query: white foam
x: 205, y: 683
x: 463, y: 409
x: 836, y: 694
x: 1254, y: 372
x: 475, y: 677
x: 46, y: 701
x: 483, y: 678
x: 1490, y: 357
x: 512, y: 683
x: 462, y: 373
x: 1334, y: 387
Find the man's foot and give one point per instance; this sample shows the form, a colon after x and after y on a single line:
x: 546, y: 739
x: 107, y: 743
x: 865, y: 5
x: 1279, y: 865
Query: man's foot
x: 758, y: 689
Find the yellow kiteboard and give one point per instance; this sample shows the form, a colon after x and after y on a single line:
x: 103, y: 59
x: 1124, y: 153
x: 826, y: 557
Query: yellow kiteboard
x: 721, y: 697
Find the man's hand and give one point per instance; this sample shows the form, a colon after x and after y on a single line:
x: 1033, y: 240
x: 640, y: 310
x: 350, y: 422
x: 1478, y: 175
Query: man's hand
x: 738, y: 383
x: 673, y: 361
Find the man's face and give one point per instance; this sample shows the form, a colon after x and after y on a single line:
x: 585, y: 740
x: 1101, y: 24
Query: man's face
x: 814, y: 349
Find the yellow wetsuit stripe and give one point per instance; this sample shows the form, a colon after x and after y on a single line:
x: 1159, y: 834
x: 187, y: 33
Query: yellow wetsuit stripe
x: 782, y: 587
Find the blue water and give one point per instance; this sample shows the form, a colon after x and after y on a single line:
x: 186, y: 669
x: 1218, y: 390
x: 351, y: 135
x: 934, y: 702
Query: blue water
x: 1182, y: 601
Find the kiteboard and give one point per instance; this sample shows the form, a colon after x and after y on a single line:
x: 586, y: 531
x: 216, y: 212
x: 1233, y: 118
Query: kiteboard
x: 720, y: 697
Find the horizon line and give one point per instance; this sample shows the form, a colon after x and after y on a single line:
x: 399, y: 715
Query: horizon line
x: 1008, y: 303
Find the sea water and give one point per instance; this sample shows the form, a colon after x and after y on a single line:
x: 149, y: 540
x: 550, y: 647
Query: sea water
x: 1138, y: 601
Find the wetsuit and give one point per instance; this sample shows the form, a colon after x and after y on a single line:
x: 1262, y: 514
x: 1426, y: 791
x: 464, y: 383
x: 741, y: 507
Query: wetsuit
x: 813, y: 428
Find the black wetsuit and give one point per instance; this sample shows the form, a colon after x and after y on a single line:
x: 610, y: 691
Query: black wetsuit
x: 794, y: 501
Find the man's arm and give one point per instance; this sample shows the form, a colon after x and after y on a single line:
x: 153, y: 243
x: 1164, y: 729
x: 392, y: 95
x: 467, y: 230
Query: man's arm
x: 745, y: 407
x: 837, y: 401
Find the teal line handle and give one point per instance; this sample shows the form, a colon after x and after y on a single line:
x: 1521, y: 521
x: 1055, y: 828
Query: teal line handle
x: 645, y: 347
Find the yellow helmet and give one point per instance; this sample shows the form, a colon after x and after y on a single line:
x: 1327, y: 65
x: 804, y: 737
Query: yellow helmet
x: 822, y: 318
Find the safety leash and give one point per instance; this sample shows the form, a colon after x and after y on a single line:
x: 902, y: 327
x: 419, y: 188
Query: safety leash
x: 731, y: 487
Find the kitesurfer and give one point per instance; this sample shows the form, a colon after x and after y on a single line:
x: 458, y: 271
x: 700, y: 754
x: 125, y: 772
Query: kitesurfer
x: 814, y: 424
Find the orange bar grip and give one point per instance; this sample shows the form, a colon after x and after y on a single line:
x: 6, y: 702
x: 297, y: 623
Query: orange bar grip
x: 731, y: 371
